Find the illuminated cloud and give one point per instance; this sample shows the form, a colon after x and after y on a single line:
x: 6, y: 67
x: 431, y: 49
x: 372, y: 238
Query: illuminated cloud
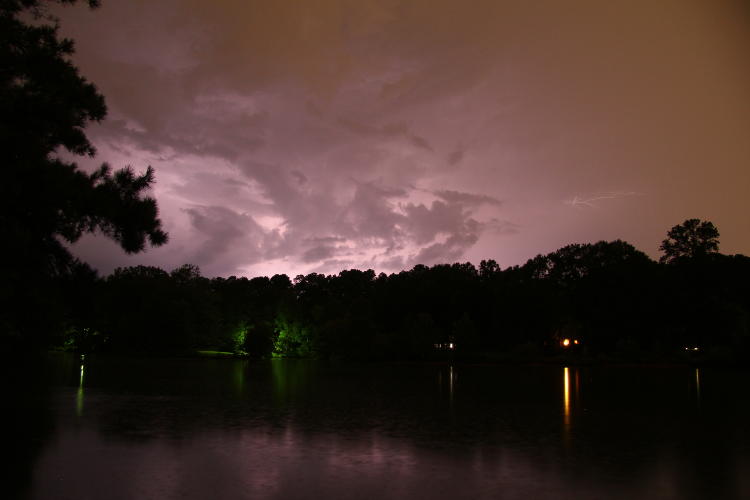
x: 421, y: 133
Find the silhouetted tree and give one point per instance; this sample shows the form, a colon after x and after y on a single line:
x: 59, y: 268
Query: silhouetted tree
x: 692, y: 238
x: 488, y: 269
x: 44, y: 200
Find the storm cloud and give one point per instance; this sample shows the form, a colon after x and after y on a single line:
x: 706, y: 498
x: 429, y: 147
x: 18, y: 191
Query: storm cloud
x: 291, y: 137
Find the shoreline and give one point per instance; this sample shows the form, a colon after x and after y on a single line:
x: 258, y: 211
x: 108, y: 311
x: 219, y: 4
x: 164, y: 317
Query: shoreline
x: 469, y: 360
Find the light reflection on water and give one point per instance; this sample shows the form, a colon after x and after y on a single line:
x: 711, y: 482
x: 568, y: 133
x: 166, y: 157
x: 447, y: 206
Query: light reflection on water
x: 566, y: 398
x: 698, y: 385
x: 79, y: 393
x: 283, y: 429
x: 451, y: 382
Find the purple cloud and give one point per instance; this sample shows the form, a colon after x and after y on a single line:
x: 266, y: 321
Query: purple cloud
x: 274, y: 129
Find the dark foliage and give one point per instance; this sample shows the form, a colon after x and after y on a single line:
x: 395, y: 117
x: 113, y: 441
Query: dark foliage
x: 609, y: 300
x: 693, y: 238
x: 45, y: 200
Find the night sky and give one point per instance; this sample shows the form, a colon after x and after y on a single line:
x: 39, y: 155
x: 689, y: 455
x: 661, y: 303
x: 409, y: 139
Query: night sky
x: 299, y: 136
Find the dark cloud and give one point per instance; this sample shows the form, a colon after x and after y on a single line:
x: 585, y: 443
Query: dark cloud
x: 425, y: 223
x: 420, y: 142
x: 455, y: 157
x: 224, y: 239
x: 450, y: 250
x: 498, y: 226
x: 319, y: 253
x: 467, y: 199
x: 206, y: 130
x: 326, y: 240
x: 389, y: 131
x: 371, y: 213
x: 298, y: 176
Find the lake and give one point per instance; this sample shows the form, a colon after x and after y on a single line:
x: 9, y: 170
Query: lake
x: 116, y: 428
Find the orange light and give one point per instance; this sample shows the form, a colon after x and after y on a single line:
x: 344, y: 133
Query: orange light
x: 566, y: 342
x: 575, y: 341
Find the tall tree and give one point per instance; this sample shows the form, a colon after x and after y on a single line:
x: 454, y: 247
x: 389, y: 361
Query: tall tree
x: 692, y: 238
x: 45, y: 200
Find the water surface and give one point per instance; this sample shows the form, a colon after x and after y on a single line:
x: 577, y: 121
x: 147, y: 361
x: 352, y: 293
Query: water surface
x: 125, y: 428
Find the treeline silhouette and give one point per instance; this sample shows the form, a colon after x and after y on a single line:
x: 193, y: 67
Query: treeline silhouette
x: 605, y: 300
x: 591, y: 300
x: 46, y: 200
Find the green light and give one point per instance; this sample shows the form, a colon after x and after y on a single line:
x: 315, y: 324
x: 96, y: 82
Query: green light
x: 239, y: 337
x: 280, y: 346
x: 292, y: 339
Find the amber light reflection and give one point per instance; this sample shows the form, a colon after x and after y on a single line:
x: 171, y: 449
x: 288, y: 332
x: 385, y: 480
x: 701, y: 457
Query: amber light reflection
x: 566, y: 396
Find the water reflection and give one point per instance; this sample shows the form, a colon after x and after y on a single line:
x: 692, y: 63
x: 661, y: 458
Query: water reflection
x: 194, y: 429
x: 79, y: 392
x: 571, y: 399
x: 451, y: 381
x: 446, y: 383
x: 240, y: 368
x: 698, y: 384
x: 566, y: 397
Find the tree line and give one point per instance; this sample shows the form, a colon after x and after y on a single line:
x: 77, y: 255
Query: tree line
x: 601, y: 300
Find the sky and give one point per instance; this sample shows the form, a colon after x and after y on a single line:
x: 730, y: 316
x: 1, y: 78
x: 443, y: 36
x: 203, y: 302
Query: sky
x: 314, y: 136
